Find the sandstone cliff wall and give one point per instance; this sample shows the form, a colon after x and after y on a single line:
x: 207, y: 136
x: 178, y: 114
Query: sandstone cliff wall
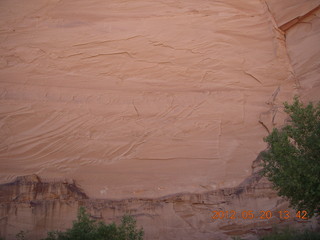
x: 128, y: 97
x: 34, y: 206
x: 83, y: 97
x: 299, y: 21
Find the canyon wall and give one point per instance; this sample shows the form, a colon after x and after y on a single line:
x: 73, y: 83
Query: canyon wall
x: 157, y: 109
x: 299, y: 21
x: 35, y: 206
x: 128, y: 97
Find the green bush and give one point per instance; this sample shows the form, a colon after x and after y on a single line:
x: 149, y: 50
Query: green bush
x: 292, y: 161
x: 21, y: 235
x: 288, y: 234
x: 86, y: 229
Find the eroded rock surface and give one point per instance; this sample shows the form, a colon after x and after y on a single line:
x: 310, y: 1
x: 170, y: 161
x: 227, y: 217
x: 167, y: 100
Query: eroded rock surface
x: 139, y: 101
x: 53, y: 205
x: 130, y: 97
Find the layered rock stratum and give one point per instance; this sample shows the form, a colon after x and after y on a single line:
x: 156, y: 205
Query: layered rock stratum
x: 144, y: 100
x: 35, y: 205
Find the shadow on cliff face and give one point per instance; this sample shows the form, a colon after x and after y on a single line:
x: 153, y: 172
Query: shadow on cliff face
x: 31, y: 189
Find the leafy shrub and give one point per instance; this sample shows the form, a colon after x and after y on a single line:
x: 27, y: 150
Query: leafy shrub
x: 21, y: 235
x: 292, y: 162
x: 288, y: 234
x: 86, y: 229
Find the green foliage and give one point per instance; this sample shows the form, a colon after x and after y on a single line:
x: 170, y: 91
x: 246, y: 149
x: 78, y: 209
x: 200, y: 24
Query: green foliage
x: 292, y: 162
x: 127, y: 229
x: 288, y: 234
x: 237, y: 238
x: 86, y: 229
x: 21, y: 235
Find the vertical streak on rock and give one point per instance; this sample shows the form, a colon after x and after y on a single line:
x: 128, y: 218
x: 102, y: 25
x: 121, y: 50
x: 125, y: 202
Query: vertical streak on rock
x: 280, y: 37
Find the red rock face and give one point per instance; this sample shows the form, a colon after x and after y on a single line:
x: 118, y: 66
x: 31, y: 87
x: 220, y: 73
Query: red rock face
x: 145, y: 99
x: 130, y: 97
x: 246, y: 210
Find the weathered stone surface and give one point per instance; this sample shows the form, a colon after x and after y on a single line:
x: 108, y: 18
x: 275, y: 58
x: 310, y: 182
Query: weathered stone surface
x: 129, y: 97
x: 31, y: 188
x: 141, y: 101
x: 300, y: 22
x: 178, y: 216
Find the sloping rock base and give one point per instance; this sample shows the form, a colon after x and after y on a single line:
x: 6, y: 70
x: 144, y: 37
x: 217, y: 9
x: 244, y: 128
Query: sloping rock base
x: 37, y: 206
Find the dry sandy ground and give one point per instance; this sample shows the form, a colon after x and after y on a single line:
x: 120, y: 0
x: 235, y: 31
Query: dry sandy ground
x: 141, y: 98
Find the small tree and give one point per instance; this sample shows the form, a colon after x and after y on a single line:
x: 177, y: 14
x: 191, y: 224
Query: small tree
x: 86, y: 229
x: 292, y: 161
